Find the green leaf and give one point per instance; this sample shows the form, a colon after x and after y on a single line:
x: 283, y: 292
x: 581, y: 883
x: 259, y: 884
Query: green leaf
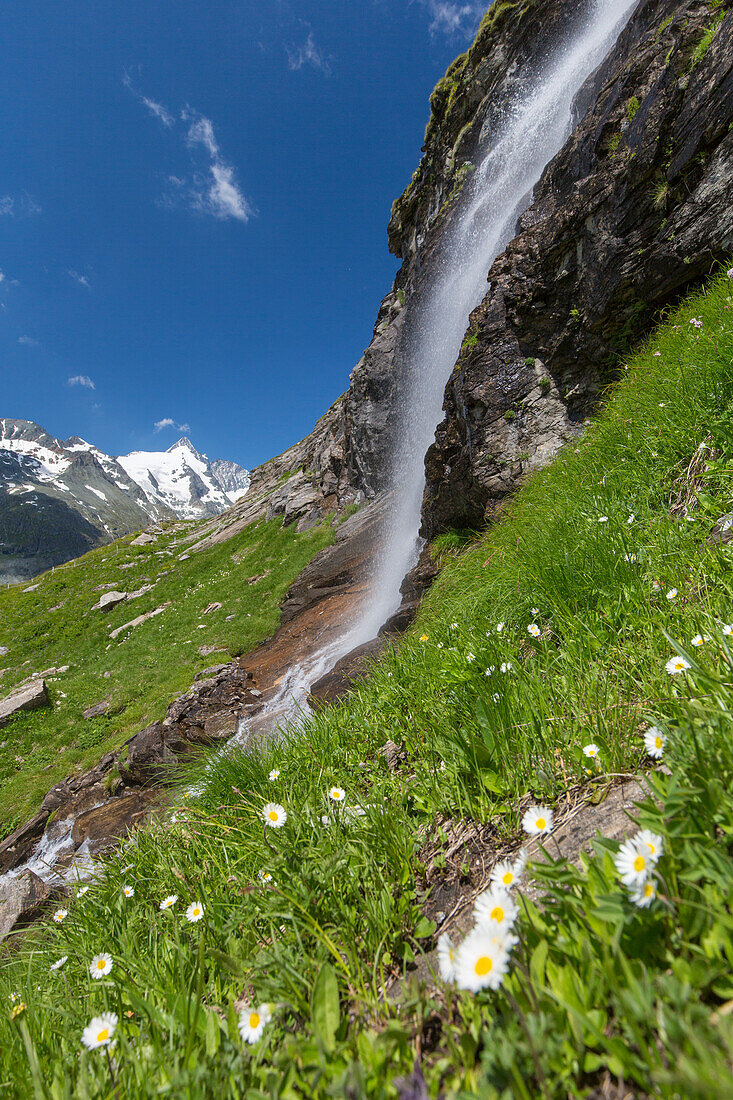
x: 424, y: 928
x: 325, y: 1006
x: 213, y: 1033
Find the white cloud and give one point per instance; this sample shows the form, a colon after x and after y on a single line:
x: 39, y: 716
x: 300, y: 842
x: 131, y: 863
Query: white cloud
x: 160, y: 112
x: 308, y: 54
x: 82, y: 280
x: 22, y: 206
x: 2, y: 276
x: 454, y: 19
x: 7, y: 204
x: 29, y: 341
x: 169, y: 422
x: 201, y: 132
x: 81, y: 380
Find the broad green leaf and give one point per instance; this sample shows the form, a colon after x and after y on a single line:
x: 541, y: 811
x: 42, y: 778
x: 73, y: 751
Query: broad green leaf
x: 325, y: 1006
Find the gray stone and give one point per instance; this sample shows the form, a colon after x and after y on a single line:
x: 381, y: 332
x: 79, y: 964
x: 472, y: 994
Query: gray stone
x: 142, y: 540
x: 27, y: 697
x: 210, y: 608
x: 140, y: 619
x: 97, y: 709
x: 109, y: 600
x: 3, y: 650
x: 24, y: 899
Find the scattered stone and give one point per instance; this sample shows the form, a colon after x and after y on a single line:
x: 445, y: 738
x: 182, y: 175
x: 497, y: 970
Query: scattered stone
x: 229, y: 618
x: 393, y: 755
x: 106, y: 585
x: 722, y: 532
x: 24, y: 899
x: 96, y: 710
x: 140, y: 591
x: 32, y: 588
x: 24, y: 698
x: 107, y: 675
x: 259, y: 577
x: 205, y: 650
x: 57, y: 607
x: 210, y: 608
x: 184, y: 557
x: 206, y: 673
x: 142, y: 540
x: 139, y: 619
x: 128, y: 565
x: 109, y: 600
x: 3, y: 650
x: 63, y: 668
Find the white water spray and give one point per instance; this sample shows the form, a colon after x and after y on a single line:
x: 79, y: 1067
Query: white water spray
x: 500, y: 190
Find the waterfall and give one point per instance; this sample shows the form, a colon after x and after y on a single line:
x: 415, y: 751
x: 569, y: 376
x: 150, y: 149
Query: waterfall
x: 536, y: 128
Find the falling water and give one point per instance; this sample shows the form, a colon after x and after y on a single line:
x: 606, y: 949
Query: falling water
x: 500, y: 190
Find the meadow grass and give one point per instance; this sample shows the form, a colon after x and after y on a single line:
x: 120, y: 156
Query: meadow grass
x: 607, y: 552
x: 55, y: 624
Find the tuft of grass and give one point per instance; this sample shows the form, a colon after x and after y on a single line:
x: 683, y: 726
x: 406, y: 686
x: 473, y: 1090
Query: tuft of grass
x: 589, y: 551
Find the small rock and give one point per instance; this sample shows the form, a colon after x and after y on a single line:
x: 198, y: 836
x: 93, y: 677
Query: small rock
x: 207, y: 672
x: 107, y: 675
x: 205, y: 650
x: 722, y: 532
x: 210, y: 608
x: 142, y: 540
x: 139, y: 619
x: 184, y: 557
x: 63, y: 668
x: 96, y: 710
x: 24, y: 899
x: 28, y: 697
x: 259, y: 577
x: 229, y: 618
x: 3, y: 650
x: 32, y: 588
x: 109, y: 600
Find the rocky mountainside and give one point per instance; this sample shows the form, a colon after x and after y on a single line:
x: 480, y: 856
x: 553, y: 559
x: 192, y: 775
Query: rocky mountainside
x: 60, y: 499
x: 631, y: 213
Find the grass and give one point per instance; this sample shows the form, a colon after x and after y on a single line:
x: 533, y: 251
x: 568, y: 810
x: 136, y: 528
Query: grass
x: 56, y: 625
x: 588, y: 551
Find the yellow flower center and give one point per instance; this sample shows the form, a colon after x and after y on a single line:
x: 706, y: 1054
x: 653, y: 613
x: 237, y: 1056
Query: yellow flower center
x: 103, y: 1035
x: 507, y: 877
x: 639, y: 863
x: 497, y: 913
x: 651, y: 847
x: 649, y: 890
x: 272, y: 815
x: 196, y: 912
x: 541, y: 823
x: 658, y: 742
x: 100, y: 964
x: 483, y: 966
x: 254, y: 1019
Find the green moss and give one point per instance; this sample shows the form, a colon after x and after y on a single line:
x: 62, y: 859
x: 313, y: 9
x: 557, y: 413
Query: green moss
x: 510, y: 415
x: 704, y: 44
x: 470, y: 342
x: 632, y: 107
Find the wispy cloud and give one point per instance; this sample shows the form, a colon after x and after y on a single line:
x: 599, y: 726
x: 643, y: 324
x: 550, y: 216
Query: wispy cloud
x: 211, y: 186
x: 454, y: 18
x: 169, y: 422
x: 18, y: 206
x: 29, y: 341
x: 82, y: 280
x: 308, y: 54
x: 81, y: 380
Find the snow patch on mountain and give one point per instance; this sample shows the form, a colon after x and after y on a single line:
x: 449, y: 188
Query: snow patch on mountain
x: 184, y: 480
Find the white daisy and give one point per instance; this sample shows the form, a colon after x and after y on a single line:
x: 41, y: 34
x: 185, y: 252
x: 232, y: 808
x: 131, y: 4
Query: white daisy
x: 647, y: 839
x: 699, y: 640
x: 100, y: 965
x: 446, y: 958
x: 672, y: 594
x: 490, y: 669
x: 454, y: 626
x: 470, y: 657
x: 505, y: 666
x: 14, y: 998
x: 166, y: 903
x: 60, y: 914
x: 603, y: 519
x: 654, y: 742
x: 534, y: 610
x: 482, y: 960
x: 274, y: 815
x: 439, y: 645
x: 644, y: 894
x: 534, y: 630
x: 496, y: 697
x: 195, y: 912
x: 496, y: 909
x: 633, y: 862
x: 655, y: 353
x: 631, y: 519
x: 537, y: 820
x: 264, y: 876
x: 500, y: 627
x: 99, y: 1032
x: 591, y: 750
x: 128, y: 891
x: 727, y: 629
x: 59, y: 963
x: 507, y: 873
x: 729, y: 273
x: 81, y: 891
x: 274, y: 774
x: 337, y: 794
x: 676, y: 665
x: 630, y: 557
x: 252, y: 1022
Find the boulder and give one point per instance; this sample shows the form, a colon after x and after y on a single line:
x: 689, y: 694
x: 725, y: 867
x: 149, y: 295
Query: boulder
x: 210, y: 608
x: 24, y: 899
x: 27, y: 697
x: 142, y: 540
x: 103, y: 826
x: 96, y: 710
x: 16, y: 848
x: 4, y: 650
x: 109, y: 600
x: 140, y: 619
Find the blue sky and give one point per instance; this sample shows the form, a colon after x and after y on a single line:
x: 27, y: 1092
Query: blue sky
x: 193, y: 208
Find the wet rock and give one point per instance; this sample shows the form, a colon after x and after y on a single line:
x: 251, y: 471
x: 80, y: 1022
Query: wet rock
x: 103, y: 826
x: 15, y: 848
x: 27, y: 697
x: 97, y: 709
x: 24, y: 899
x: 336, y: 683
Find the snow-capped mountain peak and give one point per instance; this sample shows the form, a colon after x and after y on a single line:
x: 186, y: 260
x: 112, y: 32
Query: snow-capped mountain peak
x: 183, y: 479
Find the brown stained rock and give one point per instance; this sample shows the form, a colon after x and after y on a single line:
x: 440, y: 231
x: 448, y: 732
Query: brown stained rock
x: 15, y: 848
x: 104, y: 825
x: 338, y: 682
x: 23, y: 900
x: 97, y: 709
x: 27, y: 697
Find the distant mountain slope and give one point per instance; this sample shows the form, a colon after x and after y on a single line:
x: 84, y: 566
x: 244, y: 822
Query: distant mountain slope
x: 60, y: 499
x: 183, y: 480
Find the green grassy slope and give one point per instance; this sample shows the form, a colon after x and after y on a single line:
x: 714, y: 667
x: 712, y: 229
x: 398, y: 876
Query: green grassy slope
x: 55, y: 625
x: 607, y: 552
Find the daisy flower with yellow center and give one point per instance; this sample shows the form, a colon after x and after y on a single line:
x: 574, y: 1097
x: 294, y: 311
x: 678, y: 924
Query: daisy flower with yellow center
x: 654, y: 842
x: 59, y: 963
x: 470, y: 657
x: 195, y: 912
x: 482, y: 960
x: 507, y: 874
x: 60, y: 915
x: 446, y: 951
x: 100, y: 965
x: 274, y: 815
x: 264, y: 876
x: 274, y: 774
x: 534, y: 630
x: 699, y: 640
x: 252, y: 1022
x: 99, y: 1031
x: 500, y: 627
x: 675, y: 665
x: 128, y: 891
x: 537, y: 820
x: 633, y: 862
x: 644, y: 894
x: 81, y: 891
x: 591, y: 750
x: 496, y: 909
x: 337, y: 794
x: 168, y: 902
x: 672, y: 594
x: 727, y: 629
x: 654, y: 742
x: 505, y: 666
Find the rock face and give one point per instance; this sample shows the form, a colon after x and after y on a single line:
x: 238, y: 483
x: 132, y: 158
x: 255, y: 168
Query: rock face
x: 24, y: 900
x: 633, y: 211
